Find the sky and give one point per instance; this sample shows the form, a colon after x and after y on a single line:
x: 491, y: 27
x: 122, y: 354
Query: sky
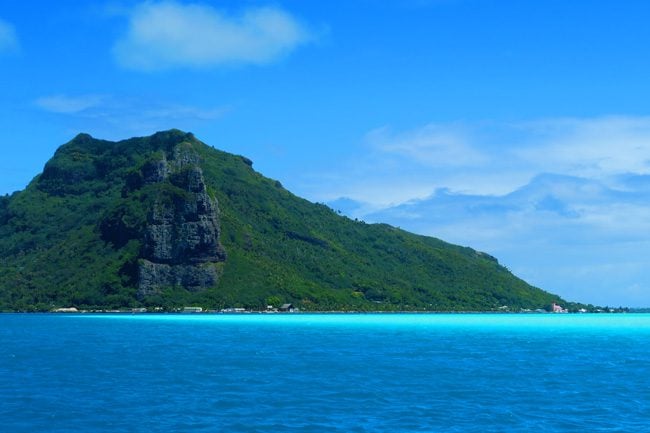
x: 517, y: 128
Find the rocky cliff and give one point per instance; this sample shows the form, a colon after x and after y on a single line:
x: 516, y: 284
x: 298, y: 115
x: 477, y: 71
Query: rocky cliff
x: 182, y: 236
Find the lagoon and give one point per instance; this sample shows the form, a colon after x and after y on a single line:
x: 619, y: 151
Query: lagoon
x: 325, y: 372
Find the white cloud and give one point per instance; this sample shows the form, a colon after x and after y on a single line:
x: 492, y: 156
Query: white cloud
x: 433, y: 145
x: 573, y: 236
x: 92, y: 105
x: 589, y: 147
x: 564, y: 203
x: 8, y: 38
x: 490, y: 158
x: 65, y: 104
x: 115, y: 117
x: 170, y: 34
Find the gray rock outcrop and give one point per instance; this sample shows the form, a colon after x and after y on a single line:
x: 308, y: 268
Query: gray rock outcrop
x: 182, y: 238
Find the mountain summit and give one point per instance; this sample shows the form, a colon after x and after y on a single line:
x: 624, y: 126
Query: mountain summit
x: 166, y: 221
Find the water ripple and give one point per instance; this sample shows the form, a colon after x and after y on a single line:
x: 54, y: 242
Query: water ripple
x: 313, y: 373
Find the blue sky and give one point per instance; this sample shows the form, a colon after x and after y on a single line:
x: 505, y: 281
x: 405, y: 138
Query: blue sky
x: 518, y: 128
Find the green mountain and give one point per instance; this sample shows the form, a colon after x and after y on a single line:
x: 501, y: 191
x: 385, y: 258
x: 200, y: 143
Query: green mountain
x: 168, y: 221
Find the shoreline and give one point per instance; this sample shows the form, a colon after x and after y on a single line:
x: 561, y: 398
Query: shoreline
x: 328, y: 312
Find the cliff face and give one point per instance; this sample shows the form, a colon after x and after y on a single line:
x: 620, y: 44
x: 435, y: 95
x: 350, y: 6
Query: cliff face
x: 182, y: 236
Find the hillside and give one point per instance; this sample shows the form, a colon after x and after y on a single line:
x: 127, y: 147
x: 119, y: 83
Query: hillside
x: 167, y: 221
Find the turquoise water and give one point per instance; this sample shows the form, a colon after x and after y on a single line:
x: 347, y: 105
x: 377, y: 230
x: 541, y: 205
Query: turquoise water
x: 314, y: 373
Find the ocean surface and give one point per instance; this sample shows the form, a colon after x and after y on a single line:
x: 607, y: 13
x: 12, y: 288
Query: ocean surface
x: 325, y: 373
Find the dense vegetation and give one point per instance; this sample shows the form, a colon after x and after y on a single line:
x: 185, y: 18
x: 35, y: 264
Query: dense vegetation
x: 73, y: 237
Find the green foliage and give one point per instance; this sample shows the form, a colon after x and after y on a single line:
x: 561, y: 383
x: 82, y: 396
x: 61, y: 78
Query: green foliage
x: 274, y: 301
x: 73, y: 238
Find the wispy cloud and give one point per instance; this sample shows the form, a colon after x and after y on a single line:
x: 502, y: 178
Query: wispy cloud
x: 8, y: 37
x: 91, y: 105
x: 169, y: 34
x: 575, y: 236
x: 565, y: 203
x: 590, y: 147
x: 114, y: 117
x: 491, y: 158
x: 65, y: 104
x: 432, y: 145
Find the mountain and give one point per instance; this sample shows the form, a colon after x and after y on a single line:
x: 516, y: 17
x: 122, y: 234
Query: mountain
x: 166, y: 221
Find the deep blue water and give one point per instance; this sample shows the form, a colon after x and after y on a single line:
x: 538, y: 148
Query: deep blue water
x: 323, y: 373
